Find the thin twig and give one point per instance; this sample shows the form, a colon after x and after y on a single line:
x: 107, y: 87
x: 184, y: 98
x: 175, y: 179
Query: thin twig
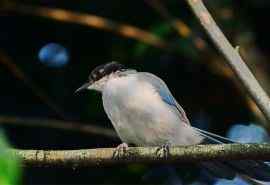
x: 177, y: 24
x: 233, y: 58
x: 104, y: 156
x: 57, y: 124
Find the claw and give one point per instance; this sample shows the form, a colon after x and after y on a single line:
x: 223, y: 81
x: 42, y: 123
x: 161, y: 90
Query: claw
x: 120, y: 151
x: 163, y: 151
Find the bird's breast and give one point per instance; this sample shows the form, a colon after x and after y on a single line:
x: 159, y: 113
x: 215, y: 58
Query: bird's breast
x: 131, y: 94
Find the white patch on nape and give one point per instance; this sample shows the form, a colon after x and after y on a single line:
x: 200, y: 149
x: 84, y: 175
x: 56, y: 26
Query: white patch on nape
x: 101, y: 70
x: 94, y: 75
x: 101, y: 83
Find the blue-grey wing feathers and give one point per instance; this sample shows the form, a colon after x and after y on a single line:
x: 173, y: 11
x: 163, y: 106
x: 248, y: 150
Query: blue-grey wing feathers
x: 164, y: 93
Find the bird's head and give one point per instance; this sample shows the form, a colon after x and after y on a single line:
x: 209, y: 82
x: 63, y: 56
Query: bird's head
x: 101, y: 75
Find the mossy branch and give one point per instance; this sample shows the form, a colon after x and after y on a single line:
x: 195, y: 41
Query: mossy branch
x: 145, y: 155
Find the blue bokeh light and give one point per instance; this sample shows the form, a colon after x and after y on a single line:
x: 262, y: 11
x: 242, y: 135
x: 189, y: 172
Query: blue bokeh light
x: 248, y: 133
x: 235, y: 181
x: 53, y: 55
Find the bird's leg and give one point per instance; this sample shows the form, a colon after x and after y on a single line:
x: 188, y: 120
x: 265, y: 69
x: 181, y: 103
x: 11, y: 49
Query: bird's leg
x: 163, y: 151
x: 120, y: 150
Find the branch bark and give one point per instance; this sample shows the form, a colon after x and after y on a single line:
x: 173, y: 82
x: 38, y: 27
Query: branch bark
x: 104, y: 156
x: 234, y: 60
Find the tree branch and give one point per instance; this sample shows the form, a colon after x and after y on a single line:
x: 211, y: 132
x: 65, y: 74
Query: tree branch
x: 90, y: 20
x: 103, y: 156
x: 57, y: 124
x: 233, y: 58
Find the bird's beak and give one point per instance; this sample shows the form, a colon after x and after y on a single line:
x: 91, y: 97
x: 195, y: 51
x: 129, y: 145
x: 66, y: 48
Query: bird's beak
x: 83, y: 87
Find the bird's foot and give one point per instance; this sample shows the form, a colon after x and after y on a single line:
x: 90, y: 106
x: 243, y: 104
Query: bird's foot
x: 120, y: 151
x: 163, y: 151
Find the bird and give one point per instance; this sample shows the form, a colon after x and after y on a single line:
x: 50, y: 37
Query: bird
x: 144, y: 112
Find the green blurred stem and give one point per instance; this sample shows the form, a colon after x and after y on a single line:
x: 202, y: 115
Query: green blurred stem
x: 104, y: 156
x: 234, y: 60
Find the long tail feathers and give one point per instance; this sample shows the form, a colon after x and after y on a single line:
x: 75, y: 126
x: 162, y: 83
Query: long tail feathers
x: 257, y: 170
x: 218, y: 169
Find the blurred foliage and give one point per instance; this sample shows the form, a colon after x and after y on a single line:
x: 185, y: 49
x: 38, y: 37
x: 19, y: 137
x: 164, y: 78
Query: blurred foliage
x: 10, y: 171
x: 250, y: 133
x: 53, y: 55
x: 162, y: 30
x: 235, y: 181
x: 179, y: 45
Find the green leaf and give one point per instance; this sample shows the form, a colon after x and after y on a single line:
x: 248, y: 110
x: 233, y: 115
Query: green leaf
x: 10, y: 170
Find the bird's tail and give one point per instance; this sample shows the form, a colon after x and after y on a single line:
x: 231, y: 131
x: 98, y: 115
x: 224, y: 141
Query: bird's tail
x: 254, y: 169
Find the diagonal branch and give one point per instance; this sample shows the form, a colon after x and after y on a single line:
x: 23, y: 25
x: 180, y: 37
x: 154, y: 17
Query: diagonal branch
x: 234, y: 60
x: 103, y: 156
x: 38, y: 91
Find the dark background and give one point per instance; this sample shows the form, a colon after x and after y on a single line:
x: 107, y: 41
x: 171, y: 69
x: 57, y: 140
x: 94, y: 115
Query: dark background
x: 198, y: 77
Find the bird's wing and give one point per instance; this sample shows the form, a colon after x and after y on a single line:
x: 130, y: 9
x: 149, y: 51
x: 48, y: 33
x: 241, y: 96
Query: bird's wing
x: 167, y: 97
x: 254, y: 169
x: 164, y: 93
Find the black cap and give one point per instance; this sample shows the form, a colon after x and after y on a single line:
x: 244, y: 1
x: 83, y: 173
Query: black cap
x: 104, y: 70
x: 101, y: 71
